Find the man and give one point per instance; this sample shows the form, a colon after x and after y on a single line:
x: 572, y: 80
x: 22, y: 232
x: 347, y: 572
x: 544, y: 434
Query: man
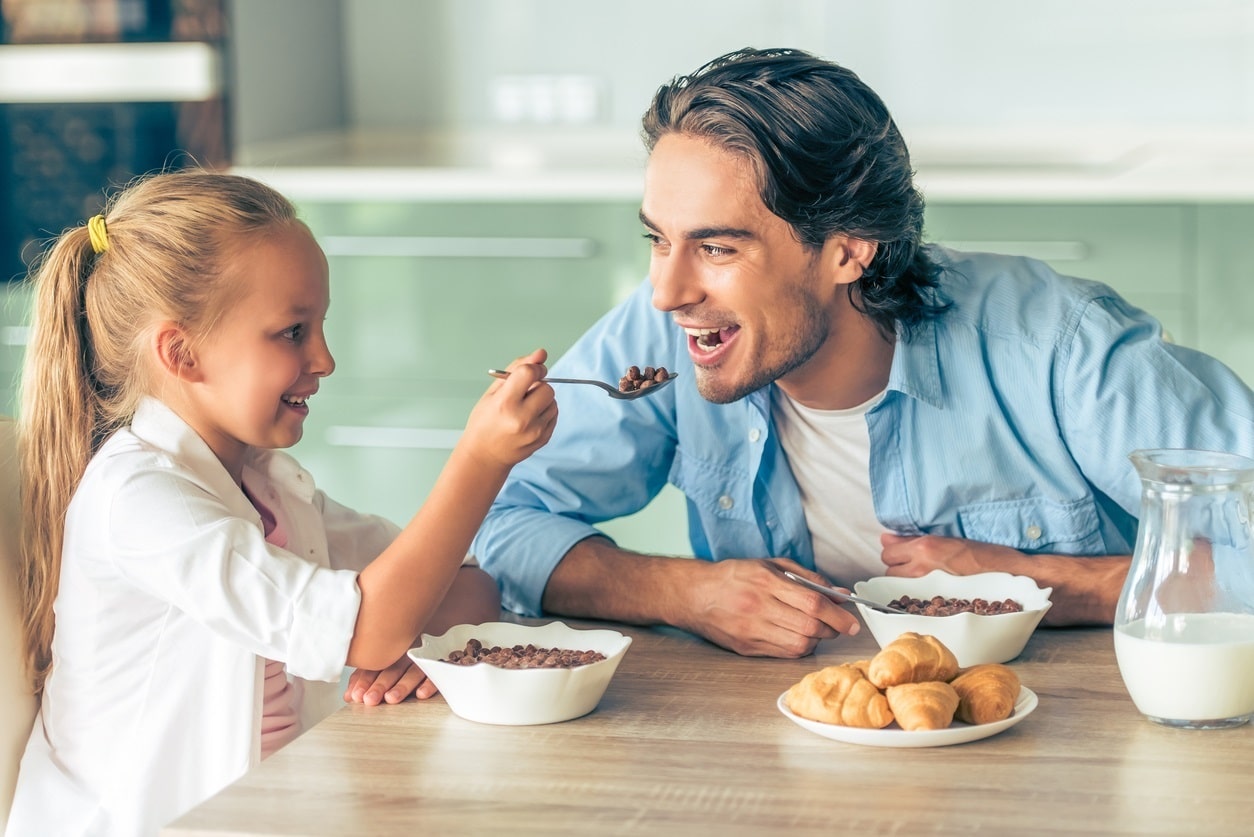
x: 850, y: 402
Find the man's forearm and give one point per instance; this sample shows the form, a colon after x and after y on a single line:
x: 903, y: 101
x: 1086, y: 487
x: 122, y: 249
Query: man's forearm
x: 597, y: 580
x: 1086, y: 590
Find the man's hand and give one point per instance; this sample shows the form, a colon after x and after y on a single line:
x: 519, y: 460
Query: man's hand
x: 743, y: 604
x: 748, y: 606
x: 917, y: 555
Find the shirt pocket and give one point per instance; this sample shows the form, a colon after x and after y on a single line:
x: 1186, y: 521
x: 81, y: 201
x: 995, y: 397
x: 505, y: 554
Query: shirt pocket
x: 718, y: 492
x: 1035, y: 525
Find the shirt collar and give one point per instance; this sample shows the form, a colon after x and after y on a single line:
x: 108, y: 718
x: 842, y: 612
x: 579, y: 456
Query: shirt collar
x: 916, y: 364
x: 158, y: 425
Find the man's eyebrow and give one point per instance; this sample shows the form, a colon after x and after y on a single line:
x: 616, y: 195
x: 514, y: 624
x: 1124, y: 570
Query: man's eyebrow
x: 705, y: 232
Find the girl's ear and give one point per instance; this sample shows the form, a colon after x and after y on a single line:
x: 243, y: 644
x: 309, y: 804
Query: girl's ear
x: 174, y: 352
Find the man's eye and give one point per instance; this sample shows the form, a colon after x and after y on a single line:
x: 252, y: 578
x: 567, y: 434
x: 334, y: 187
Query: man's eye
x: 715, y: 250
x: 652, y: 238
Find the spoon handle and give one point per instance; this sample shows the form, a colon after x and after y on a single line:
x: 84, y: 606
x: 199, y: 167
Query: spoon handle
x: 501, y: 373
x: 842, y: 595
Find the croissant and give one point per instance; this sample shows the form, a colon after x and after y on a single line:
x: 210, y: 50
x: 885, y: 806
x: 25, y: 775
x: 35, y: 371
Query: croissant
x: 912, y: 658
x: 839, y: 695
x: 919, y: 706
x: 986, y: 693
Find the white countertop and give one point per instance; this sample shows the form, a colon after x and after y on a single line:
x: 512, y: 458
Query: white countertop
x: 1021, y: 166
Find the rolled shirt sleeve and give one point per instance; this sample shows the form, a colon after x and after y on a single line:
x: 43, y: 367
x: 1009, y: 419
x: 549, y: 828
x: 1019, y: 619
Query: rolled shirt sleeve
x: 191, y: 550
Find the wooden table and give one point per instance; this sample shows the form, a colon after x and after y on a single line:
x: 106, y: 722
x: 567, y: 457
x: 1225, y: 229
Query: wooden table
x: 688, y: 740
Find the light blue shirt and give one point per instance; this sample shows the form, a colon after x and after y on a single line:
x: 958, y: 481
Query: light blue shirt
x: 1008, y: 420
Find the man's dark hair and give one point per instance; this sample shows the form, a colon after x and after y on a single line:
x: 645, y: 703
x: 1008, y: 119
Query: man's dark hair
x: 828, y: 157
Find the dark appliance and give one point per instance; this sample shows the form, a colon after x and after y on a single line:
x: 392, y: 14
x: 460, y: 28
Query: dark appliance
x: 94, y: 93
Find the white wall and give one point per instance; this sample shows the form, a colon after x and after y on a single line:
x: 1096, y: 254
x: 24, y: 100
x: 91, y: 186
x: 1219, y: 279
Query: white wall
x: 937, y: 63
x: 287, y: 67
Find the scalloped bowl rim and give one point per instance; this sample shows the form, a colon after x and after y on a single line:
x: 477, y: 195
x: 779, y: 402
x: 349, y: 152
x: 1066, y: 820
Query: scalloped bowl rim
x: 492, y: 695
x: 974, y: 638
x: 994, y: 585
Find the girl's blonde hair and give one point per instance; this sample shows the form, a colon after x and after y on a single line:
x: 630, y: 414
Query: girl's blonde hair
x: 166, y: 243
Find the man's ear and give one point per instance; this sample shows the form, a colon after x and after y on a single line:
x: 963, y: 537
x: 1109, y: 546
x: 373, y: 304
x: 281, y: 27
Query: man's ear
x: 848, y: 258
x: 174, y: 352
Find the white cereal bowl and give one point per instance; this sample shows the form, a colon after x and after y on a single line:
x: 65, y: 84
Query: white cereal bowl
x: 492, y: 695
x: 974, y: 638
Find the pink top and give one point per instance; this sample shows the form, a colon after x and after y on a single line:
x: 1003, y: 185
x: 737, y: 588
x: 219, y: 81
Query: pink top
x: 280, y: 703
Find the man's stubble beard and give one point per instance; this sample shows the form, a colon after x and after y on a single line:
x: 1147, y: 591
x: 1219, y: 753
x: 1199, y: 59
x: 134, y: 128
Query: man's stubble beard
x: 788, y: 351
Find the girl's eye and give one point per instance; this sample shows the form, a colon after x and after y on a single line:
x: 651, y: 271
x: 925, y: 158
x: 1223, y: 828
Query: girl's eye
x: 294, y: 333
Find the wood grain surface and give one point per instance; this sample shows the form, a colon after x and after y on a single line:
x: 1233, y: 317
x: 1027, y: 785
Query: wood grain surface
x: 688, y: 740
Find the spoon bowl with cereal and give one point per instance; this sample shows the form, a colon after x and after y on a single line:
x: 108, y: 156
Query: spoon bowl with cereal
x: 635, y: 383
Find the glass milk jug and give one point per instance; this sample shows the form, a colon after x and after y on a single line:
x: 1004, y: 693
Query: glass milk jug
x: 1184, y: 625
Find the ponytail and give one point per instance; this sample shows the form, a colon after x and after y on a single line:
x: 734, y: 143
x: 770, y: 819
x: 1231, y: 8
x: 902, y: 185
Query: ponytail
x: 59, y: 427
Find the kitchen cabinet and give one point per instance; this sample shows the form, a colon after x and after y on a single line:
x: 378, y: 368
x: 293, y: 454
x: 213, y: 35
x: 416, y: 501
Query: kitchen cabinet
x: 428, y: 295
x: 425, y: 298
x: 1225, y: 269
x: 14, y: 315
x: 1143, y: 252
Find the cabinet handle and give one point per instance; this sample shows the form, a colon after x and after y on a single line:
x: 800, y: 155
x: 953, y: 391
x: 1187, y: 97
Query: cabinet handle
x: 1046, y: 251
x: 189, y: 71
x: 15, y: 335
x: 412, y: 246
x: 348, y: 436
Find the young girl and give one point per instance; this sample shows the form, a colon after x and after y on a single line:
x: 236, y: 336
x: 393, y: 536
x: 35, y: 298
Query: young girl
x: 205, y: 595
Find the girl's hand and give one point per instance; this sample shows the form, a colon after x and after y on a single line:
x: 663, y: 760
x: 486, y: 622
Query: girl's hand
x: 392, y: 685
x: 516, y: 416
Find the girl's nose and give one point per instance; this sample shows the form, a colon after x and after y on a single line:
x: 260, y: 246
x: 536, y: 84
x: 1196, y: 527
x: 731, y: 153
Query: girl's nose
x: 321, y: 362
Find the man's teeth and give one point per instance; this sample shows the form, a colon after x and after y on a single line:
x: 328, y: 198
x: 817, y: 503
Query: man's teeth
x: 703, y: 338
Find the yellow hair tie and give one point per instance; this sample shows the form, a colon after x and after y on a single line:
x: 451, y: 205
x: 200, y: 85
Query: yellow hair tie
x: 98, y: 233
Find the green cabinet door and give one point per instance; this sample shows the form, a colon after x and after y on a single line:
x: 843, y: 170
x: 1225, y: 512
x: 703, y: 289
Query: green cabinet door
x: 15, y: 301
x: 1143, y: 252
x: 425, y: 298
x: 1225, y: 269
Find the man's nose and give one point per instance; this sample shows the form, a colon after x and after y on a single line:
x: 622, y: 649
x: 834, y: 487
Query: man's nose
x: 675, y: 283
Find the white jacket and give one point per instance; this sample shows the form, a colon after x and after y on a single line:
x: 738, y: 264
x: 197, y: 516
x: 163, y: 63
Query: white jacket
x: 170, y: 600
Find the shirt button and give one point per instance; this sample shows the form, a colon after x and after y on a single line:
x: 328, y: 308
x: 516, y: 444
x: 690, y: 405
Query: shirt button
x: 725, y: 502
x: 754, y: 434
x: 1033, y: 532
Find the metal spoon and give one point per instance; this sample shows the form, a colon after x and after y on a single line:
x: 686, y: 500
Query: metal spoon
x: 613, y: 391
x: 842, y: 595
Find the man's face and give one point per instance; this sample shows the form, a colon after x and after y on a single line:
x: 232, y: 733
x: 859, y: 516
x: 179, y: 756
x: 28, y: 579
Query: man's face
x: 752, y: 299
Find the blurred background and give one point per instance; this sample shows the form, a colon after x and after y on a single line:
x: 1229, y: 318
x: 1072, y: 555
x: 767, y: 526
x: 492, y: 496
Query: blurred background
x: 473, y: 168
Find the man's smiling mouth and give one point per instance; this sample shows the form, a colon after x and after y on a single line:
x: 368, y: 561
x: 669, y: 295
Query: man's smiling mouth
x: 709, y: 339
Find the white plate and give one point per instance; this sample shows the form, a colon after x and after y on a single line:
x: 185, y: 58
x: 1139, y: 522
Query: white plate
x: 894, y: 736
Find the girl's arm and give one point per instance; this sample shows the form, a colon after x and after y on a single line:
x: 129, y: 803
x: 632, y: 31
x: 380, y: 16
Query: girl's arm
x: 401, y: 589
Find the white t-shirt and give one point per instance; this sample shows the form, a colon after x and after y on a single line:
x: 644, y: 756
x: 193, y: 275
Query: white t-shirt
x: 829, y: 452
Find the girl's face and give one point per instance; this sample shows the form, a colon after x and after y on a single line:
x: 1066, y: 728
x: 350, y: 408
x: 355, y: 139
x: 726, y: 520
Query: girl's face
x: 256, y: 370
